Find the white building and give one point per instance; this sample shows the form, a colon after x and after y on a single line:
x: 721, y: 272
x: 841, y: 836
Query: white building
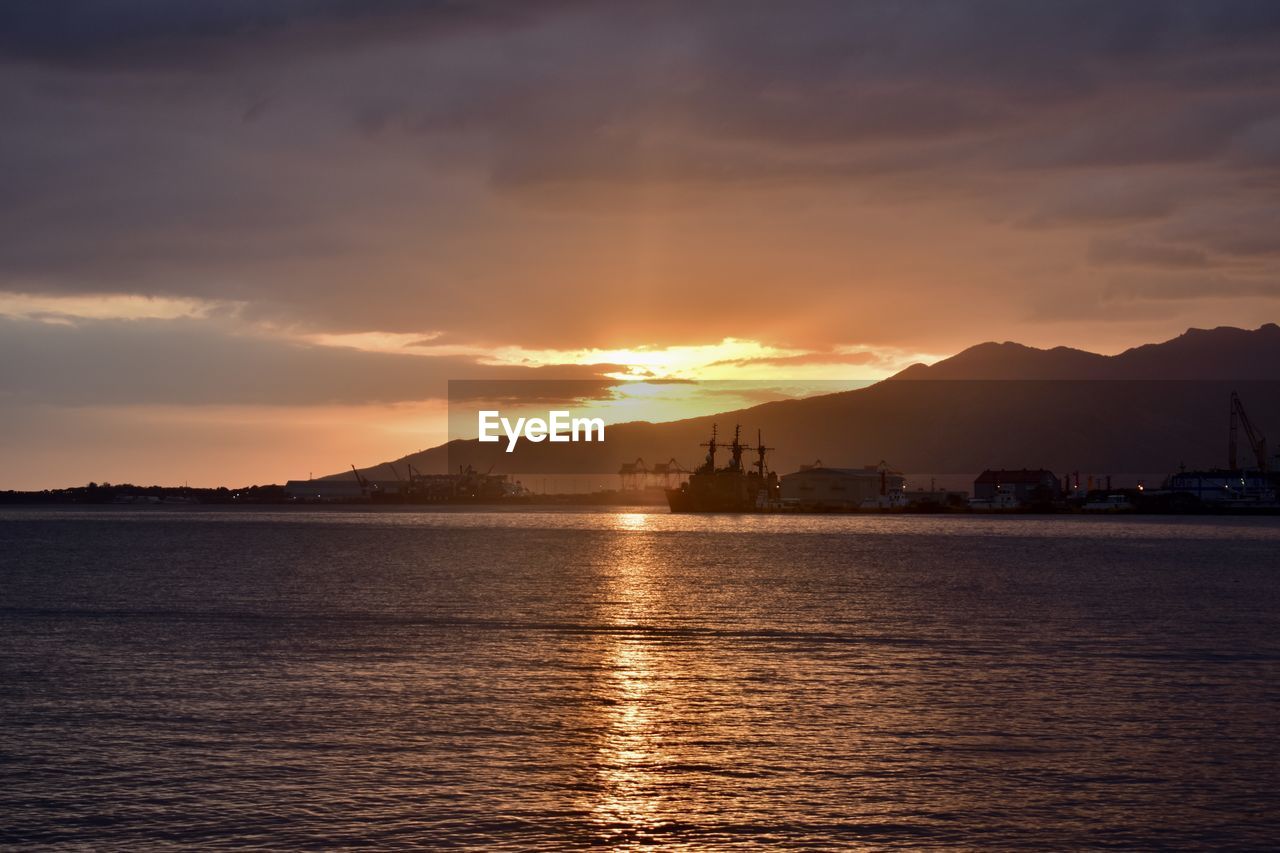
x: 822, y: 487
x: 1220, y: 487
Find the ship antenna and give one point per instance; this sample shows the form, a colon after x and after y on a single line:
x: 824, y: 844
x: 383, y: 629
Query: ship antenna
x: 737, y: 447
x: 711, y: 451
x: 761, y: 450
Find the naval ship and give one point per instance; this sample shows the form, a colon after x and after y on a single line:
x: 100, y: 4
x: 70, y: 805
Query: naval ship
x: 733, y: 488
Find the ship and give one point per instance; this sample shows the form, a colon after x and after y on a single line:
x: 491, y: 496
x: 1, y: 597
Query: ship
x: 733, y: 488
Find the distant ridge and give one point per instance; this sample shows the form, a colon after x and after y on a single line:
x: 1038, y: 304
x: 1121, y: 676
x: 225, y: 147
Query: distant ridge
x: 1011, y: 360
x: 1222, y: 353
x: 1147, y: 409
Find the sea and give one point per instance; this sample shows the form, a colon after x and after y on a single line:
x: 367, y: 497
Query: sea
x: 333, y: 678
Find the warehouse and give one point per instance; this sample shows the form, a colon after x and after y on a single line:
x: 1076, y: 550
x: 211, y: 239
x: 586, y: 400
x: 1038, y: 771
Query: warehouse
x: 821, y: 487
x: 1026, y: 485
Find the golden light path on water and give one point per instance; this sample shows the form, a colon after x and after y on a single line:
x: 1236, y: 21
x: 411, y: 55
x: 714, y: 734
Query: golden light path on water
x: 565, y: 679
x: 629, y: 747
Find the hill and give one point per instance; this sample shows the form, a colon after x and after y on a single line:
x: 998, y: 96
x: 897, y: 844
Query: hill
x: 1146, y: 410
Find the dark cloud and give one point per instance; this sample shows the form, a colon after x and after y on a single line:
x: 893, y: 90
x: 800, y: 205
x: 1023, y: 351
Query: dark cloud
x: 1243, y: 231
x: 1166, y: 130
x: 1185, y: 287
x: 201, y: 362
x: 500, y: 170
x: 153, y: 34
x: 522, y: 390
x: 910, y: 174
x: 1124, y: 251
x: 981, y: 40
x: 1109, y: 198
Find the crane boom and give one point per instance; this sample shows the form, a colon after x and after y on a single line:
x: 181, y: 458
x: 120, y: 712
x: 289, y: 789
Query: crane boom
x: 1257, y: 441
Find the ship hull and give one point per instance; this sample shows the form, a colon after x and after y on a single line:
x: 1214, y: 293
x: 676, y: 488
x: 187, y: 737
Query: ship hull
x: 722, y: 491
x: 682, y: 501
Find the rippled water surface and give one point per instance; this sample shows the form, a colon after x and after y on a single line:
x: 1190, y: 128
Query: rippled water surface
x: 523, y: 679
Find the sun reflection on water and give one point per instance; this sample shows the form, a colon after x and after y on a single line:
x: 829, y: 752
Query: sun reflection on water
x: 631, y: 521
x: 630, y: 751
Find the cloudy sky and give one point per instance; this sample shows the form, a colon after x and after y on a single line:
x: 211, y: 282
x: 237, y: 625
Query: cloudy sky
x: 241, y: 240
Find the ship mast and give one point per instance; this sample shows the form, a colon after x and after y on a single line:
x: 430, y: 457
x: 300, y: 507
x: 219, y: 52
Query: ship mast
x: 760, y: 451
x: 737, y: 447
x: 710, y: 465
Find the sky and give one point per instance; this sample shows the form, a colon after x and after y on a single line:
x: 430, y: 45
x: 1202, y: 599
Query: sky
x: 241, y: 242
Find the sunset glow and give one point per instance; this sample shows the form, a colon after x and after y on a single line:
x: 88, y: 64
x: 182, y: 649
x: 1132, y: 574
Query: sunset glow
x: 645, y: 424
x: 297, y: 222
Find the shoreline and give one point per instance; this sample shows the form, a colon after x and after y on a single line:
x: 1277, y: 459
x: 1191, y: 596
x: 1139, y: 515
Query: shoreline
x: 394, y: 507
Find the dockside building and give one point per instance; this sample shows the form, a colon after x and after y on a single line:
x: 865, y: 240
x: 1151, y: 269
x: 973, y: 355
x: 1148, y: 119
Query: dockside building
x: 825, y: 488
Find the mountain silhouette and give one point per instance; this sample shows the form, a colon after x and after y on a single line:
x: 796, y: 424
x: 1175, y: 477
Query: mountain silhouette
x: 1224, y: 353
x: 1144, y: 411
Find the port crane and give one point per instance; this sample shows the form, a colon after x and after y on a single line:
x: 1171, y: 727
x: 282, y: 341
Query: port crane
x: 670, y: 472
x: 365, y: 486
x: 1257, y: 441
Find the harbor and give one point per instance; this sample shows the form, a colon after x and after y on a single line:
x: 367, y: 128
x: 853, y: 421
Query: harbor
x: 737, y: 476
x: 878, y: 488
